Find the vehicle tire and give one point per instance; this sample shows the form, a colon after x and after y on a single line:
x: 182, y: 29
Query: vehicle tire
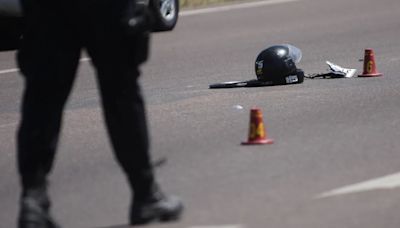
x: 165, y: 13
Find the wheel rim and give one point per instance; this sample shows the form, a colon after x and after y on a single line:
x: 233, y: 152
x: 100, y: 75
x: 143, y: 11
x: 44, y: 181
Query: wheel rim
x: 167, y: 9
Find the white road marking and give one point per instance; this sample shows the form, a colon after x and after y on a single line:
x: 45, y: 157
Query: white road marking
x: 8, y: 125
x: 12, y: 70
x: 219, y: 226
x: 387, y: 182
x: 233, y: 7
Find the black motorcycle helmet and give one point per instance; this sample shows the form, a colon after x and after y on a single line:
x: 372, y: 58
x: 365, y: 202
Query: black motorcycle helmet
x: 278, y: 65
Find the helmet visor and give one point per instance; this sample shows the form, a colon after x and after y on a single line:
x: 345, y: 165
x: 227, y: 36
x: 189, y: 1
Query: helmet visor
x: 294, y: 52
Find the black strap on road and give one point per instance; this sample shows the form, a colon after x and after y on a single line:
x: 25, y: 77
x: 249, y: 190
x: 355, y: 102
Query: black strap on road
x: 289, y: 79
x: 323, y: 75
x: 237, y: 84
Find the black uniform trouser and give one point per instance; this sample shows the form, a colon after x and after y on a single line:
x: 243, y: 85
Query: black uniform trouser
x: 48, y: 58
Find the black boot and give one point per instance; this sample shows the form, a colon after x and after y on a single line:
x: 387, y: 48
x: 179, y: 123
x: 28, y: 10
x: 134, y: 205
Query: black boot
x: 155, y: 207
x: 34, y: 211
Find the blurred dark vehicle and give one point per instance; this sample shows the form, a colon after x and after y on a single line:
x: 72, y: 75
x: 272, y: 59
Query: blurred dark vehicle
x: 165, y: 14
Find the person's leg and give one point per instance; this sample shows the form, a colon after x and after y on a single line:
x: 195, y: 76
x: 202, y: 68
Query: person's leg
x: 125, y: 117
x: 48, y: 63
x: 117, y: 57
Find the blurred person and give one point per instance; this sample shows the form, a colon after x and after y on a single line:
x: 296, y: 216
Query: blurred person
x: 115, y: 34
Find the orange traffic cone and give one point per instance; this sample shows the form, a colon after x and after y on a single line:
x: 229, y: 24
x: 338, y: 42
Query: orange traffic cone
x: 369, y: 65
x: 257, y: 133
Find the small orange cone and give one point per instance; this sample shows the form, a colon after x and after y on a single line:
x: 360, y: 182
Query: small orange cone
x: 257, y: 133
x: 369, y: 65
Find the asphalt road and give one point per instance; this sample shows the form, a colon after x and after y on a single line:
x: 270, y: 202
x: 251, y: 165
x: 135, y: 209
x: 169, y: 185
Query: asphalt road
x: 336, y: 140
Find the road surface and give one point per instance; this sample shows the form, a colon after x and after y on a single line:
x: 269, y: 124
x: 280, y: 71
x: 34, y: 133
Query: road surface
x: 335, y: 161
